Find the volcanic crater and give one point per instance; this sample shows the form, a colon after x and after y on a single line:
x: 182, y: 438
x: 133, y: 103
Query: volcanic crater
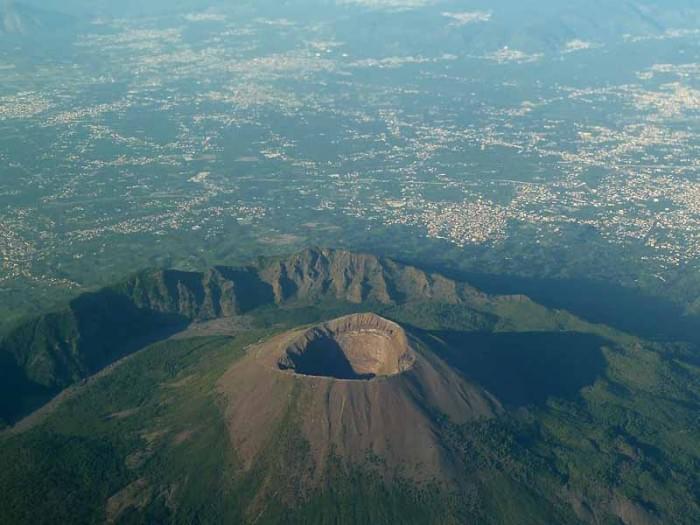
x: 357, y: 347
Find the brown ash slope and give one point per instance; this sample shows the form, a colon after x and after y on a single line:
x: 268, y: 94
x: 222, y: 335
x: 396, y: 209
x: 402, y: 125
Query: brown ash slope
x: 364, y: 388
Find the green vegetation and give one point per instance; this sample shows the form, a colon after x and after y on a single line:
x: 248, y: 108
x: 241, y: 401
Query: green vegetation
x: 58, y: 478
x: 361, y: 497
x: 118, y: 430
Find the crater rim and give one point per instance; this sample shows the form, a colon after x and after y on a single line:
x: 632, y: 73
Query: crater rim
x: 356, y: 347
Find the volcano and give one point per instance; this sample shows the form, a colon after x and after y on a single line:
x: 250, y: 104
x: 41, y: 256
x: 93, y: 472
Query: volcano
x: 264, y: 395
x: 358, y: 386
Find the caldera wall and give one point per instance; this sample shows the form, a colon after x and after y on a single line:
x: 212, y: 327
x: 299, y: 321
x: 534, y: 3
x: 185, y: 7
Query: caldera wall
x: 355, y: 347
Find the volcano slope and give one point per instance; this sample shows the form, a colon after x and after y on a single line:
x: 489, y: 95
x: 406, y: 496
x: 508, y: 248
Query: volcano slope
x: 332, y: 387
x: 364, y: 389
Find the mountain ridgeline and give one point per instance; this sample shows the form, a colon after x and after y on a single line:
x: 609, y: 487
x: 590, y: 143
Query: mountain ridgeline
x: 46, y: 354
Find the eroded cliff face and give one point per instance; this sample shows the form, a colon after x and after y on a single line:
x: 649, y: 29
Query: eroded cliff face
x: 303, y: 277
x: 356, y: 278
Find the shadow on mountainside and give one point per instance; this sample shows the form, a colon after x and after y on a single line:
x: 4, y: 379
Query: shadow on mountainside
x: 251, y: 291
x: 625, y: 309
x: 49, y: 353
x: 326, y: 358
x: 526, y: 368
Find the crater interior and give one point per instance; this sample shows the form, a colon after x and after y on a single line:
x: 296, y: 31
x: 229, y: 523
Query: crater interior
x: 355, y: 347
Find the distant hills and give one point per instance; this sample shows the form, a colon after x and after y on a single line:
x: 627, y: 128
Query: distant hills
x: 536, y: 26
x: 541, y: 26
x: 502, y: 31
x: 130, y: 8
x: 17, y: 21
x: 21, y: 20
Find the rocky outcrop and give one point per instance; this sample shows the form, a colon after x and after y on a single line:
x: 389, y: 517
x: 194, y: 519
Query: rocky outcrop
x: 308, y: 276
x: 356, y: 278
